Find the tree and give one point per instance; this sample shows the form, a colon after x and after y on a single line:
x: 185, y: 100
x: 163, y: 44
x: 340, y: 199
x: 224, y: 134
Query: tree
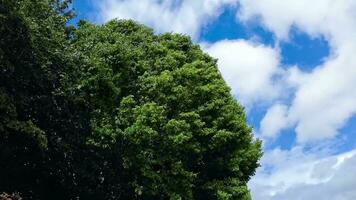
x: 159, y: 103
x: 114, y: 111
x: 35, y: 125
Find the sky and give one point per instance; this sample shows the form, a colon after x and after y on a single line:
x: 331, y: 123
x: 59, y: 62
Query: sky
x: 291, y: 64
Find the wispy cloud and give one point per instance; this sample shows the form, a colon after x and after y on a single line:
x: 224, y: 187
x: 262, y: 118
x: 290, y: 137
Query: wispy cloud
x: 296, y: 174
x: 326, y: 97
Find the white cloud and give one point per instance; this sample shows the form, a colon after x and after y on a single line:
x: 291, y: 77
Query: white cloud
x: 296, y: 175
x: 180, y: 16
x: 322, y: 102
x: 325, y: 98
x: 279, y: 15
x: 274, y: 120
x: 248, y: 68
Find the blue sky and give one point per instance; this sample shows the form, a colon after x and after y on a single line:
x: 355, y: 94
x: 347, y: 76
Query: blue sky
x: 290, y: 63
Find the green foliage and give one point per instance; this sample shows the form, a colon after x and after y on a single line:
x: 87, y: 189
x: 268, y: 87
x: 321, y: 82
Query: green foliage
x: 114, y: 112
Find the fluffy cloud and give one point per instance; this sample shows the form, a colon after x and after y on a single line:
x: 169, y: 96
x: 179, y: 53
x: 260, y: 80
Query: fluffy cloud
x: 250, y: 69
x: 325, y: 98
x: 274, y: 120
x: 298, y: 175
x: 181, y: 16
x: 322, y: 102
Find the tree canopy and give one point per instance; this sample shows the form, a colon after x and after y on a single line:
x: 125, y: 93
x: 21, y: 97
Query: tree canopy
x: 114, y: 111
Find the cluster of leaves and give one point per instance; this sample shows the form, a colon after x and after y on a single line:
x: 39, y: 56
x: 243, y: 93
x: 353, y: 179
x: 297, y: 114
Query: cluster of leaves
x: 114, y: 112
